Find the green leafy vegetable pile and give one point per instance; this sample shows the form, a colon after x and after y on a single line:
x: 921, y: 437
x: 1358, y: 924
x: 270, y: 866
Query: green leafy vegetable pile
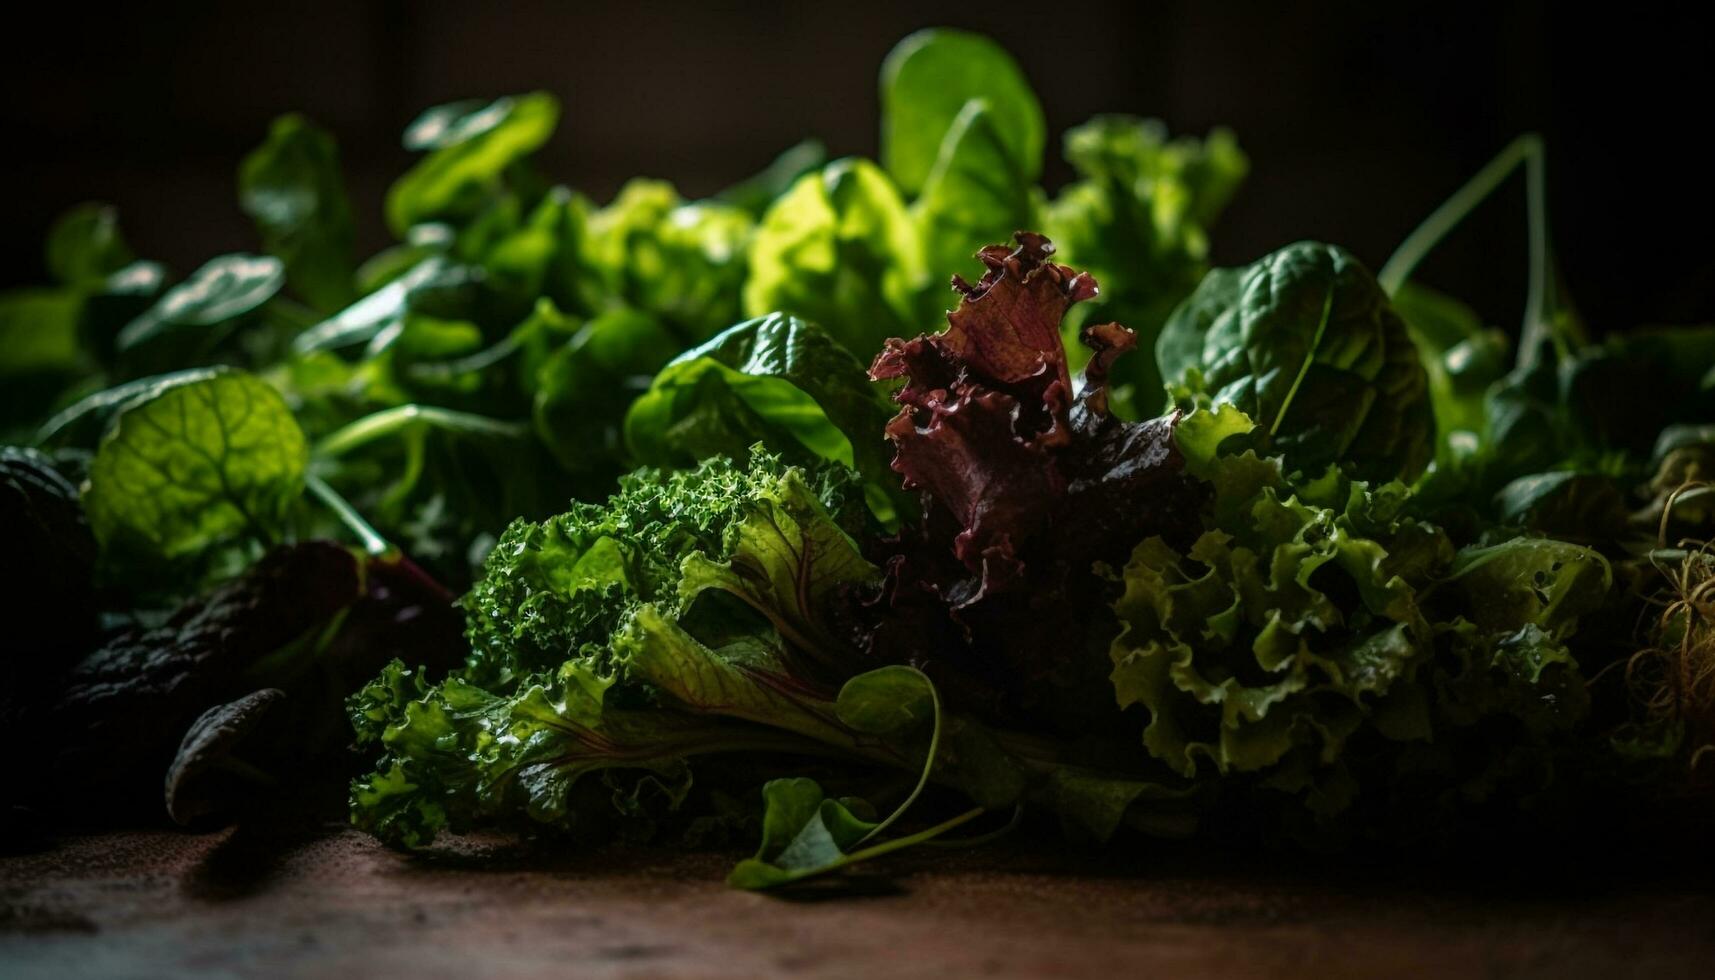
x: 744, y: 546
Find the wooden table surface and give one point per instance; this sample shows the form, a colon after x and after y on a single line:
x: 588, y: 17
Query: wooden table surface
x: 328, y: 902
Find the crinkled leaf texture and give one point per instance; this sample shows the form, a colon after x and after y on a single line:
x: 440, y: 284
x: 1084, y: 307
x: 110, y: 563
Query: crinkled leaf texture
x: 560, y: 588
x: 1305, y: 342
x: 1323, y: 639
x: 1023, y: 488
x: 692, y: 614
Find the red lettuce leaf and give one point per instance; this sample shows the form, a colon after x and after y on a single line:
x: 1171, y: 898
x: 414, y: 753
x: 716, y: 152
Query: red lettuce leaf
x: 1025, y: 488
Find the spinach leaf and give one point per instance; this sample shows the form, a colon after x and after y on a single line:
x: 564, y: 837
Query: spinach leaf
x: 470, y: 153
x: 194, y: 464
x: 925, y: 83
x: 291, y: 187
x: 1306, y: 343
x: 192, y: 318
x: 584, y: 388
x: 1462, y: 358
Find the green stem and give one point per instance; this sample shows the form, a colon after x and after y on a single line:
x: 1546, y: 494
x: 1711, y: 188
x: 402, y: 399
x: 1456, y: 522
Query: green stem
x: 886, y: 847
x: 373, y: 542
x: 900, y: 843
x: 928, y: 761
x: 1538, y: 309
x: 981, y: 839
x: 384, y: 423
x: 1455, y: 209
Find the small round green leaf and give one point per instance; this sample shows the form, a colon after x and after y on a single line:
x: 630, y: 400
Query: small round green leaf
x: 882, y: 702
x: 193, y: 464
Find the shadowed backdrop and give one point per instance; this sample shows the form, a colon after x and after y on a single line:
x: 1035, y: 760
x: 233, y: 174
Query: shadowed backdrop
x: 1358, y: 118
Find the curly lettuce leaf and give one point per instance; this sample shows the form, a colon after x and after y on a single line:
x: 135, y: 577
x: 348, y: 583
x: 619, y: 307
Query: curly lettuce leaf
x: 681, y: 262
x: 1275, y: 632
x: 559, y: 589
x: 1023, y: 489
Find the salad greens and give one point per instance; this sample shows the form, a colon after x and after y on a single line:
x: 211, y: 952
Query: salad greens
x: 738, y: 543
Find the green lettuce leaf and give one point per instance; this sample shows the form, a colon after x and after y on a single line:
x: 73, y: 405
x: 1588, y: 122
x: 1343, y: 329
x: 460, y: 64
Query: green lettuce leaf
x: 977, y: 192
x: 681, y: 263
x: 840, y: 249
x: 777, y: 380
x: 926, y: 82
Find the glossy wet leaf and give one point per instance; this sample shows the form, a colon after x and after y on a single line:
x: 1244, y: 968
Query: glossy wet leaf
x: 775, y: 379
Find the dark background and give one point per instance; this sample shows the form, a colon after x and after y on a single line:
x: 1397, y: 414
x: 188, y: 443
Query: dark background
x: 1358, y: 118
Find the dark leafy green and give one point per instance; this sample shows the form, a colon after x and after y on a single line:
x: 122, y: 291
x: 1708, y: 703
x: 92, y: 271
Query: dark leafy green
x: 1305, y: 342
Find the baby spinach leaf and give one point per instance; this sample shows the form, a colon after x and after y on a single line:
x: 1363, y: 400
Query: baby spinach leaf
x: 584, y: 388
x: 1462, y: 359
x: 82, y: 422
x: 1305, y: 342
x: 291, y: 187
x: 470, y: 153
x: 195, y: 315
x: 444, y: 125
x: 1586, y: 507
x: 925, y: 83
x: 193, y: 464
x: 431, y: 281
